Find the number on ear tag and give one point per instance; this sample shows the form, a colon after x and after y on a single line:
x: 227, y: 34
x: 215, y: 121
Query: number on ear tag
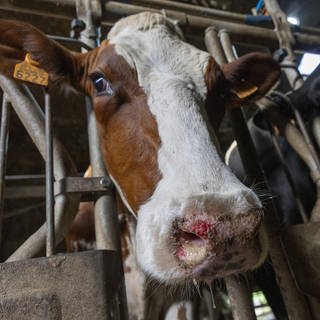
x: 29, y: 72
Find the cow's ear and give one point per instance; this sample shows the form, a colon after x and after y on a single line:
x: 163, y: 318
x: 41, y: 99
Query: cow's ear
x: 18, y: 40
x: 250, y: 77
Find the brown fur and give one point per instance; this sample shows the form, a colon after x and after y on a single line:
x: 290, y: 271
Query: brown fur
x: 217, y: 93
x: 128, y: 130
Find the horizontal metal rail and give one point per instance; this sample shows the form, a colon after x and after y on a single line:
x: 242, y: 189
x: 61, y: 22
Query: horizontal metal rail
x: 307, y: 39
x: 220, y: 14
x: 176, y: 6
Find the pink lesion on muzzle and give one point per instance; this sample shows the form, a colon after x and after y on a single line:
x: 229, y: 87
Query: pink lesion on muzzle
x: 215, y: 246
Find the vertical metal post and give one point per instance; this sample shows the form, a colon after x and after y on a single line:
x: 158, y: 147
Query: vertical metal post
x: 106, y: 219
x: 213, y: 45
x: 238, y: 292
x: 50, y: 243
x: 4, y: 137
x: 286, y: 41
x: 295, y: 302
x: 240, y: 298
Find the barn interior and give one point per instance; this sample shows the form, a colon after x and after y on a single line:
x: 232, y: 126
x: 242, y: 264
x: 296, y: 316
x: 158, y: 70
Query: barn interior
x: 23, y: 202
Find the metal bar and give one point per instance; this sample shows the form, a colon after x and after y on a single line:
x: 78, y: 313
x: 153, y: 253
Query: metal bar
x: 308, y: 41
x: 4, y: 138
x: 164, y: 4
x: 25, y: 177
x: 24, y: 192
x: 316, y: 129
x: 106, y: 219
x: 286, y: 41
x: 70, y: 40
x: 240, y: 298
x: 192, y: 9
x: 57, y: 3
x: 213, y: 44
x: 23, y: 210
x: 50, y: 243
x: 275, y: 119
x: 66, y: 205
x: 107, y: 227
x: 83, y: 185
x: 240, y: 32
x: 296, y: 304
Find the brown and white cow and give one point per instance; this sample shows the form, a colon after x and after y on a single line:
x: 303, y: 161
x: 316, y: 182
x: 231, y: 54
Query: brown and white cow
x: 157, y: 100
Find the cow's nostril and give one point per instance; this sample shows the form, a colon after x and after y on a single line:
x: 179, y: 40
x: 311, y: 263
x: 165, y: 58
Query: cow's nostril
x: 189, y: 237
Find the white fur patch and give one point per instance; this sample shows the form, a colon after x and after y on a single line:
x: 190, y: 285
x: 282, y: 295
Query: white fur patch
x: 172, y: 74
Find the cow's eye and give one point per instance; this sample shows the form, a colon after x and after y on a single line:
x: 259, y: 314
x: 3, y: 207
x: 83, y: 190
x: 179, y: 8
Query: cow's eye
x: 101, y: 84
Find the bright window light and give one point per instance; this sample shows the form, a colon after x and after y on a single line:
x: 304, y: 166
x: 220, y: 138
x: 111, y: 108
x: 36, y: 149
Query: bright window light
x: 294, y: 20
x: 308, y: 63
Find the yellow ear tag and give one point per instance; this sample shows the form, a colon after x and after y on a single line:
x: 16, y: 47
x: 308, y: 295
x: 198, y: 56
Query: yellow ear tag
x: 29, y: 71
x: 245, y: 89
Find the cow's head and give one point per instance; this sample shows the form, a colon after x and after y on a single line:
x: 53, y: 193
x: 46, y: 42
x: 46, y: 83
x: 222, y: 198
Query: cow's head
x: 157, y: 99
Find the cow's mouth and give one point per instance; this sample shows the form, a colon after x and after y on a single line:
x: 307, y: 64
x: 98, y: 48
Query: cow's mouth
x: 191, y: 249
x: 215, y: 247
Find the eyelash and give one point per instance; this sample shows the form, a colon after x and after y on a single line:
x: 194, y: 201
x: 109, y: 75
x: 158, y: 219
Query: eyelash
x: 101, y: 84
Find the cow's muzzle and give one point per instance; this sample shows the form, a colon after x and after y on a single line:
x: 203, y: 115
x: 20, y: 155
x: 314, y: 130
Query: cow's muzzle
x: 216, y: 246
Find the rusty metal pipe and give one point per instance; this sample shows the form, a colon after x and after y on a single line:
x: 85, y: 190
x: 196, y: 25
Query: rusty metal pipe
x: 240, y: 298
x: 50, y: 243
x: 211, y: 13
x: 213, y: 44
x: 169, y: 5
x: 308, y: 41
x: 4, y: 139
x: 66, y: 205
x: 316, y: 129
x: 191, y: 9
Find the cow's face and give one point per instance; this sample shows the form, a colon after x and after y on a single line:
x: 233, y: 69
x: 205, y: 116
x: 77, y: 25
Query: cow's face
x: 153, y: 96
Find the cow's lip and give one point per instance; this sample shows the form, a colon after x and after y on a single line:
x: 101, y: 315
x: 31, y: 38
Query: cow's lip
x: 191, y: 249
x: 211, y: 256
x: 219, y: 265
x: 198, y: 260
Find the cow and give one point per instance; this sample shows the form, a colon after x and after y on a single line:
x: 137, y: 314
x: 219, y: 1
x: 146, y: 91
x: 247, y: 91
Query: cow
x: 158, y: 102
x: 307, y: 100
